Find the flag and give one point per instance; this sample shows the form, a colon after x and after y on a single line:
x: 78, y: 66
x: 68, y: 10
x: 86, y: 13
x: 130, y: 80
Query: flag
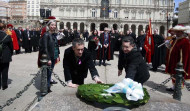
x: 149, y: 43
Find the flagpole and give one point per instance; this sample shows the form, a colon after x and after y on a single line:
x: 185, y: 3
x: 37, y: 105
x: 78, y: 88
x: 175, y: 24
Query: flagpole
x: 167, y: 21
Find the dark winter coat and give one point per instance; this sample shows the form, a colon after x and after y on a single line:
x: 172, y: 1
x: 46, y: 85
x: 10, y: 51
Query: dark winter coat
x: 72, y: 68
x: 7, y: 51
x: 135, y: 66
x: 159, y: 55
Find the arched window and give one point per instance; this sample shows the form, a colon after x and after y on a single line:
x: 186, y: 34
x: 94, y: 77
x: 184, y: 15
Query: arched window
x: 75, y: 25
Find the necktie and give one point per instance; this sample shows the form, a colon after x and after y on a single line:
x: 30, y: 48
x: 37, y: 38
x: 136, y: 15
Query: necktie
x: 79, y: 61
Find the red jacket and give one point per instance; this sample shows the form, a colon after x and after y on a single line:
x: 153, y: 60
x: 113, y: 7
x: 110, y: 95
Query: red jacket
x: 180, y: 51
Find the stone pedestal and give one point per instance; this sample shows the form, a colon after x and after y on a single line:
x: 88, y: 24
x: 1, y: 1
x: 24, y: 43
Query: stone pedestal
x: 67, y: 101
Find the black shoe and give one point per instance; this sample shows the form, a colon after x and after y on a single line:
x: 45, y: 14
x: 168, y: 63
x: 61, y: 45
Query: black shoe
x: 153, y: 69
x: 5, y: 87
x: 100, y: 63
x: 170, y: 89
x: 49, y: 90
x: 53, y: 82
x: 104, y: 64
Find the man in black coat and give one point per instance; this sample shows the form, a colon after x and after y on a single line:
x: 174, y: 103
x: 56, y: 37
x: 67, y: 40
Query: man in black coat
x: 131, y: 59
x: 132, y: 34
x: 158, y: 58
x: 27, y: 41
x: 66, y: 38
x: 5, y: 56
x: 86, y: 35
x: 19, y: 34
x: 140, y: 43
x: 76, y: 62
x: 107, y: 47
x: 34, y: 42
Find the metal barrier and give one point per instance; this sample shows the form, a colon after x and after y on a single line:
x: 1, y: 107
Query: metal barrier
x: 44, y: 87
x: 178, y: 84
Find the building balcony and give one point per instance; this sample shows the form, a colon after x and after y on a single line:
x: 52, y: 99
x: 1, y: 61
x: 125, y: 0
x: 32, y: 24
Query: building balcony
x: 111, y: 19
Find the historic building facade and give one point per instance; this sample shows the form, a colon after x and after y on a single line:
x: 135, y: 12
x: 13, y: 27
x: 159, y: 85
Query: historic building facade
x: 184, y: 13
x: 18, y: 13
x: 33, y: 12
x: 4, y: 11
x: 118, y: 14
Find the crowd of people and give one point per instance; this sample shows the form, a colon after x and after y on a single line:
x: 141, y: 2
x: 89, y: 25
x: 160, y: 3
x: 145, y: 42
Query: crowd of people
x: 101, y: 46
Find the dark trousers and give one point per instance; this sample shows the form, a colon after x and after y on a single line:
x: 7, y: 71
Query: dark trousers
x: 105, y: 55
x: 49, y: 72
x: 4, y: 68
x: 34, y: 48
x: 18, y: 51
x: 28, y: 48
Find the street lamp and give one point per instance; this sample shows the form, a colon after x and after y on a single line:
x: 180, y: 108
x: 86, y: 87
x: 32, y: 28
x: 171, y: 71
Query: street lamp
x: 86, y: 25
x: 121, y: 27
x: 168, y: 21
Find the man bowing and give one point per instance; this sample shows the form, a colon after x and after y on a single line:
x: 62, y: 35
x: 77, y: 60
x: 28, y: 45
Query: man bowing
x: 76, y: 62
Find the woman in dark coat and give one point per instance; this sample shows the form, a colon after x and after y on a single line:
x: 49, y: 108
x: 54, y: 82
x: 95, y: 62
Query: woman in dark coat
x: 49, y: 46
x: 5, y: 56
x: 118, y: 42
x: 93, y: 43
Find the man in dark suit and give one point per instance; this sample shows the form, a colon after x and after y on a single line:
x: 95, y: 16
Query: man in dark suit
x: 132, y: 34
x: 5, y: 56
x: 107, y: 48
x: 131, y: 59
x: 159, y: 56
x: 34, y: 42
x: 19, y: 34
x: 76, y: 62
x: 140, y: 43
x: 27, y: 41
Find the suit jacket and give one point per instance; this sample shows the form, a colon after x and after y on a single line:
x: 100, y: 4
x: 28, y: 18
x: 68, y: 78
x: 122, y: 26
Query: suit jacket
x: 26, y: 41
x: 109, y: 48
x: 133, y: 35
x: 19, y: 36
x: 135, y: 66
x: 73, y: 68
x: 7, y: 48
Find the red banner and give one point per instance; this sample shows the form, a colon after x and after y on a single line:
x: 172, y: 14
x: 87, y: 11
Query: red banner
x: 149, y: 43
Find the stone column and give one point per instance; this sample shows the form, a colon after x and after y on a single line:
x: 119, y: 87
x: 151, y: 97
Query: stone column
x: 97, y: 26
x: 71, y: 25
x: 129, y: 26
x: 58, y: 25
x: 88, y: 27
x: 78, y: 26
x: 110, y: 26
x: 137, y: 30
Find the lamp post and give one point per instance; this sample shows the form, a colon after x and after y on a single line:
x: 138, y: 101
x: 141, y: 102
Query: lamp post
x: 121, y: 27
x: 168, y: 21
x: 86, y: 26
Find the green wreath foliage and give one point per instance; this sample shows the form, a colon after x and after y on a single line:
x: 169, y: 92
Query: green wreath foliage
x: 96, y: 93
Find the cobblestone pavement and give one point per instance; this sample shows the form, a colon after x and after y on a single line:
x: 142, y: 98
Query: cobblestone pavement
x: 24, y: 67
